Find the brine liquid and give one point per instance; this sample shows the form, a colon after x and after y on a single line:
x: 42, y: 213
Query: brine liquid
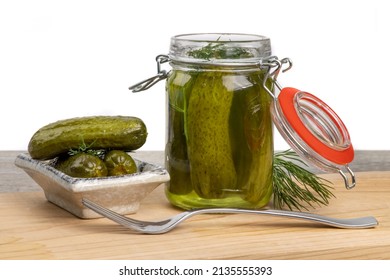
x: 219, y: 147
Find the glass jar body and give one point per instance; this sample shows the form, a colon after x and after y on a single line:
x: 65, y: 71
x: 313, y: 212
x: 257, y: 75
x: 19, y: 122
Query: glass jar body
x: 219, y: 148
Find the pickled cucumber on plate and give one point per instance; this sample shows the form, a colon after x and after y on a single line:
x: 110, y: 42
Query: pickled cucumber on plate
x: 98, y: 132
x: 119, y: 163
x: 82, y: 165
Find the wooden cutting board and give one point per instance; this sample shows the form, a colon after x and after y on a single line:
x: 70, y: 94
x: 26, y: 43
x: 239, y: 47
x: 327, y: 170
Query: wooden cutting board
x: 32, y: 228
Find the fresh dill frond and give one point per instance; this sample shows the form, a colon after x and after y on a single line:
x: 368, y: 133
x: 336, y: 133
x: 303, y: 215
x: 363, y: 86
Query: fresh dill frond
x: 295, y: 187
x: 84, y: 148
x: 219, y: 51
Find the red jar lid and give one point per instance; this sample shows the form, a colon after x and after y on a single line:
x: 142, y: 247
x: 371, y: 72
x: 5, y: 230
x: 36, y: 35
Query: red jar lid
x: 312, y: 129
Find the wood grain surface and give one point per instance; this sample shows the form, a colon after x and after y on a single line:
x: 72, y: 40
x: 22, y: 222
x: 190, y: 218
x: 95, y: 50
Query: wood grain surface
x: 32, y: 228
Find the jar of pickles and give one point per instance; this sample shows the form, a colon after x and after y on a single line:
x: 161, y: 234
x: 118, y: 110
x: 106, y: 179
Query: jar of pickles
x: 219, y: 146
x: 221, y: 108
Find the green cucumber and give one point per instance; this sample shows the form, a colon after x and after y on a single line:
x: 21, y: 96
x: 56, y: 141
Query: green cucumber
x: 82, y: 165
x: 180, y: 85
x: 119, y: 163
x: 258, y: 133
x: 97, y: 132
x: 209, y: 147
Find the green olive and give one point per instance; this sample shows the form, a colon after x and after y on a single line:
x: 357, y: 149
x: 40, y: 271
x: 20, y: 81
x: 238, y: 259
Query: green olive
x: 83, y: 165
x: 119, y: 163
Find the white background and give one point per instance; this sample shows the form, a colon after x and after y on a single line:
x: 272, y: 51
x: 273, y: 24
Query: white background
x: 63, y: 59
x: 281, y: 269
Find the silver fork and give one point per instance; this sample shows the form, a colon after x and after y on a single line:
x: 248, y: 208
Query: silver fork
x: 168, y: 224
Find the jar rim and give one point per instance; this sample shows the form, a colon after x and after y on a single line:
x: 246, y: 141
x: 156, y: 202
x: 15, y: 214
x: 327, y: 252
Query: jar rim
x: 220, y: 37
x: 219, y: 48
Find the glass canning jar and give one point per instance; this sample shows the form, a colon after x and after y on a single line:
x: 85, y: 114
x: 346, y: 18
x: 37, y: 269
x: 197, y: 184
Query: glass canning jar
x: 221, y: 107
x: 219, y: 148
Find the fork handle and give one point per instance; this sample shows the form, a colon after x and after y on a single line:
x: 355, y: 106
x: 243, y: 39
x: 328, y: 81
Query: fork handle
x: 362, y: 222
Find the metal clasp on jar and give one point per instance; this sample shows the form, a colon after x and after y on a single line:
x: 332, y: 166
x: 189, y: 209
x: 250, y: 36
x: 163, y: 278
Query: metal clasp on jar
x: 148, y: 83
x: 309, y: 125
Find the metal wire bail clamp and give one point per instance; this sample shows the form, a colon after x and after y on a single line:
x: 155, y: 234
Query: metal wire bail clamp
x: 148, y: 83
x: 309, y: 125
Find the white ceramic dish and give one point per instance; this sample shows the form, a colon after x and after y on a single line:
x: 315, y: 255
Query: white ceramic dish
x: 121, y: 194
